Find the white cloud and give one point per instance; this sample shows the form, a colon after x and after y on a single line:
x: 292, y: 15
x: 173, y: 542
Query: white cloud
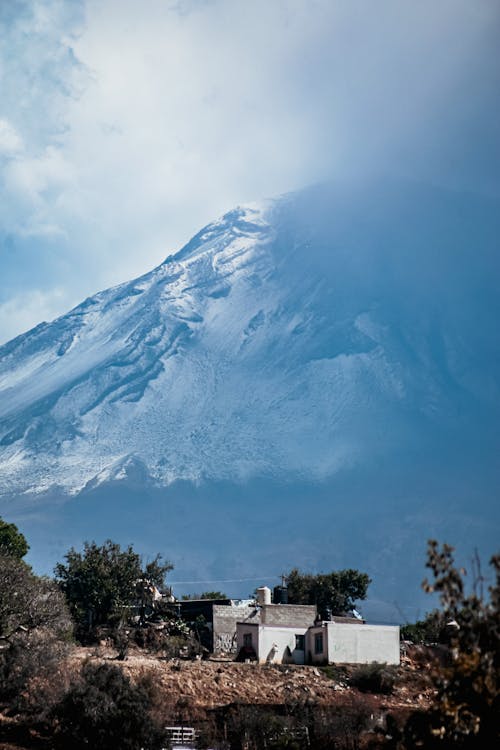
x: 26, y: 310
x: 10, y: 141
x: 139, y: 122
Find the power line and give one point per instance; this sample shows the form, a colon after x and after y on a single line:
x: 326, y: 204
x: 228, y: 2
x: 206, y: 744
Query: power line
x: 224, y: 580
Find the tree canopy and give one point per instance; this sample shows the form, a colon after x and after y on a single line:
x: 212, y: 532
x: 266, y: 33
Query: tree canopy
x: 205, y: 595
x: 100, y: 583
x: 27, y: 601
x: 34, y: 628
x: 332, y: 593
x: 12, y: 542
x: 467, y: 704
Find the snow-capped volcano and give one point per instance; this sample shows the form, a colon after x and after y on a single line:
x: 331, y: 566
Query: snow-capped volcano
x: 296, y: 338
x: 313, y: 381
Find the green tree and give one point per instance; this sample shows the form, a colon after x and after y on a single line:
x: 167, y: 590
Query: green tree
x: 467, y: 706
x: 12, y: 542
x: 430, y: 630
x: 205, y: 595
x: 156, y: 570
x: 101, y: 583
x: 334, y: 592
x: 213, y: 595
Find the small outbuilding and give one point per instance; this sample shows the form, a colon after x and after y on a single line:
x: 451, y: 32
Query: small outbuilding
x: 352, y: 643
x: 291, y: 634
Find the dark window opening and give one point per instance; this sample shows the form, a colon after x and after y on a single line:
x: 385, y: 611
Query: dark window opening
x: 300, y: 642
x: 318, y: 643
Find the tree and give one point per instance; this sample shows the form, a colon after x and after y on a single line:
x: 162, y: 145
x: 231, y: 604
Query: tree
x: 104, y: 709
x: 156, y: 570
x: 213, y: 595
x: 467, y: 706
x: 332, y: 593
x: 34, y: 626
x: 12, y: 542
x: 205, y: 595
x: 427, y: 631
x: 28, y: 602
x: 101, y: 583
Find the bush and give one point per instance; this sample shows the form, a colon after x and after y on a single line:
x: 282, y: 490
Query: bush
x: 293, y: 726
x: 35, y: 632
x: 374, y: 678
x: 32, y: 672
x: 467, y: 706
x: 425, y: 631
x: 336, y: 673
x: 104, y: 709
x: 340, y: 727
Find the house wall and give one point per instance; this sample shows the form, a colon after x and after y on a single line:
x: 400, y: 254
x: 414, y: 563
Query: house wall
x: 245, y: 628
x: 224, y: 625
x: 355, y: 644
x: 273, y: 644
x: 277, y: 645
x: 285, y: 615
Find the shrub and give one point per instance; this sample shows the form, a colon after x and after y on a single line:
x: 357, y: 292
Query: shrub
x: 35, y: 632
x: 104, y: 709
x: 374, y: 678
x: 340, y: 727
x: 425, y: 631
x: 467, y: 706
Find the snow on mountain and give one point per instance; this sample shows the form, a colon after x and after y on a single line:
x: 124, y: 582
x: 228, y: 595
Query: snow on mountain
x: 296, y: 338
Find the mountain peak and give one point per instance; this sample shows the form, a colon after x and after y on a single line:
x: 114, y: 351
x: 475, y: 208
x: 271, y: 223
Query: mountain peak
x: 296, y: 337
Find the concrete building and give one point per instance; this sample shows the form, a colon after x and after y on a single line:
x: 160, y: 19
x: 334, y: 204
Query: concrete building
x: 272, y: 644
x: 220, y: 617
x: 352, y: 643
x: 290, y: 634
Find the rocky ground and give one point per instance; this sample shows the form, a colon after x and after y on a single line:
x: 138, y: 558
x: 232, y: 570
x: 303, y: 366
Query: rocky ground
x: 192, y: 690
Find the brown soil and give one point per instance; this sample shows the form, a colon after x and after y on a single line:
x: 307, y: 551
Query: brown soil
x: 194, y: 688
x: 215, y: 682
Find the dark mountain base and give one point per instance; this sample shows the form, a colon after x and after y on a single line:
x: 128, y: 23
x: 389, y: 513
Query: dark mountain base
x: 234, y: 537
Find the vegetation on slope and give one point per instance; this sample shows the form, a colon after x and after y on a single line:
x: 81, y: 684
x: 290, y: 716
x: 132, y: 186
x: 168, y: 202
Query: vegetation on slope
x: 51, y: 697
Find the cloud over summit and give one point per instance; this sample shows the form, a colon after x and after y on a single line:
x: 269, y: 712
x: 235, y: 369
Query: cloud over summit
x: 126, y: 126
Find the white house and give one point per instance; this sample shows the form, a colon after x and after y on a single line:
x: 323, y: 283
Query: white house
x: 352, y: 643
x: 272, y: 644
x: 291, y: 634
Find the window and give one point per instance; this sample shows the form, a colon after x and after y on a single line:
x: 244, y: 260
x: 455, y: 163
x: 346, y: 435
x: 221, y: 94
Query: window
x: 247, y: 640
x: 300, y: 642
x: 318, y: 643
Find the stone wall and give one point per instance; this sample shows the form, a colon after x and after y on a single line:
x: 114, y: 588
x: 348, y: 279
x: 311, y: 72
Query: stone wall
x: 224, y: 625
x: 226, y: 617
x: 288, y: 615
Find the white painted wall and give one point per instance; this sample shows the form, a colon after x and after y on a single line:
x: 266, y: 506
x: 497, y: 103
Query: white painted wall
x: 272, y: 643
x: 342, y: 643
x: 362, y: 644
x: 283, y: 638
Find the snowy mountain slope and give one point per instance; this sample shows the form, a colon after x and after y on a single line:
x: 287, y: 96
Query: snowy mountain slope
x: 329, y: 329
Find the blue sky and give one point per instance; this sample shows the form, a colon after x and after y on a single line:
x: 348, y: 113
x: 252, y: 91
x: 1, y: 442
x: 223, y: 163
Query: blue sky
x: 126, y: 126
